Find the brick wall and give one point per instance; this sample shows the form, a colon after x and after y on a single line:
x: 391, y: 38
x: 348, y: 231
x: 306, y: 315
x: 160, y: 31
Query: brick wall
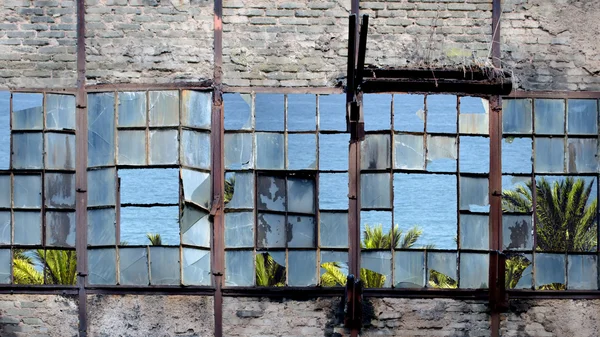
x: 37, y: 43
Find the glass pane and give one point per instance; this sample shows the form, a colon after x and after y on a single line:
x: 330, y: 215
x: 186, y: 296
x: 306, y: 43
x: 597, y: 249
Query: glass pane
x: 5, y: 191
x: 163, y: 147
x: 4, y: 130
x: 516, y: 115
x: 301, y: 231
x: 239, y: 190
x: 27, y: 150
x: 164, y: 266
x: 28, y: 191
x: 271, y: 193
x: 333, y: 191
x: 5, y: 227
x: 519, y: 270
x: 441, y: 113
x: 474, y: 231
x: 195, y: 226
x: 334, y: 230
x: 28, y: 111
x: 474, y: 270
x: 375, y: 152
x: 372, y: 225
x: 101, y: 187
x: 409, y: 269
x: 301, y: 151
x: 550, y: 271
x: 516, y: 155
x: 378, y: 193
x: 239, y: 268
x: 132, y: 108
x: 159, y: 186
x: 101, y: 226
x: 409, y: 112
x: 302, y: 268
x: 132, y: 147
x: 516, y: 194
x: 60, y: 112
x: 332, y: 112
x: 270, y: 269
x: 195, y: 149
x: 5, y: 266
x: 441, y: 271
x: 60, y: 151
x: 583, y: 272
x: 139, y: 224
x: 334, y: 269
x: 549, y: 116
x: 239, y: 230
x: 582, y: 155
x: 474, y: 155
x: 474, y: 195
x: 271, y: 231
x: 377, y: 110
x: 376, y: 269
x: 164, y: 108
x: 268, y: 112
x: 409, y: 152
x: 28, y: 228
x: 301, y: 195
x: 196, y: 109
x: 196, y: 267
x: 237, y: 111
x: 473, y: 117
x: 60, y: 190
x: 442, y: 153
x: 517, y: 232
x: 269, y: 151
x: 133, y: 266
x: 582, y: 116
x: 102, y: 266
x: 60, y: 229
x: 333, y: 151
x: 301, y: 112
x: 549, y: 155
x: 196, y: 187
x: 101, y: 129
x: 239, y: 151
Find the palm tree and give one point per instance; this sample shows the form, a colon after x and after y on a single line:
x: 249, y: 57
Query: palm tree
x: 268, y: 272
x: 155, y: 239
x: 59, y: 267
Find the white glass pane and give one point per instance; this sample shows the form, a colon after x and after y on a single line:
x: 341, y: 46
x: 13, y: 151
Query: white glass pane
x: 301, y: 195
x: 334, y: 230
x: 132, y: 108
x: 549, y: 155
x: 516, y: 115
x: 409, y: 152
x: 101, y: 187
x: 409, y: 269
x: 60, y: 229
x: 474, y: 270
x: 195, y: 149
x: 239, y: 153
x: 239, y: 268
x: 163, y: 147
x: 164, y: 266
x: 101, y: 129
x: 269, y: 151
x: 132, y: 147
x: 196, y: 267
x: 27, y: 150
x: 375, y: 152
x: 302, y: 267
x: 101, y: 226
x: 582, y: 116
x: 377, y: 267
x: 60, y: 190
x: 102, y: 266
x: 133, y: 266
x: 60, y: 151
x: 196, y: 109
x: 549, y: 116
x: 163, y: 108
x: 60, y: 112
x: 27, y: 191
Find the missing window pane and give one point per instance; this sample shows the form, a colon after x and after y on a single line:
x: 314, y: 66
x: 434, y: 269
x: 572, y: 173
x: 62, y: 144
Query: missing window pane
x: 377, y: 110
x: 519, y: 271
x: 159, y: 186
x: 333, y: 149
x: 409, y: 112
x: 334, y: 269
x: 301, y: 151
x: 474, y: 155
x: 332, y: 112
x: 269, y: 112
x: 333, y: 191
x: 301, y: 112
x: 474, y: 116
x: 441, y: 113
x: 140, y: 225
x: 270, y: 269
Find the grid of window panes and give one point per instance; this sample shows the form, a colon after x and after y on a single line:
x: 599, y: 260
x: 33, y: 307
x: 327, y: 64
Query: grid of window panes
x: 149, y: 188
x: 550, y: 193
x: 37, y: 188
x: 424, y: 191
x: 286, y: 189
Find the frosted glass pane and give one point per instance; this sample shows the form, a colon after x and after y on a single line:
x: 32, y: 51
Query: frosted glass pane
x: 301, y: 195
x: 27, y: 111
x: 239, y: 230
x: 301, y: 151
x: 132, y: 147
x: 132, y: 108
x: 60, y: 112
x: 444, y: 264
x: 549, y: 116
x: 269, y: 151
x: 301, y: 112
x: 133, y: 266
x: 238, y: 114
x: 378, y: 193
x: 163, y: 147
x: 239, y: 190
x: 101, y: 187
x: 60, y: 151
x: 516, y: 115
x: 195, y: 149
x: 239, y: 269
x: 409, y: 152
x: 27, y: 191
x: 375, y: 152
x: 28, y: 228
x: 268, y: 112
x: 301, y: 231
x: 5, y: 191
x: 164, y: 266
x: 5, y: 227
x: 441, y: 113
x: 474, y: 270
x: 196, y: 109
x: 378, y: 267
x: 583, y: 272
x: 550, y: 271
x: 474, y: 232
x: 474, y: 194
x: 334, y: 230
x: 239, y: 153
x: 474, y: 155
x: 101, y: 226
x: 163, y: 108
x: 101, y: 132
x: 377, y: 111
x: 302, y: 267
x: 442, y: 153
x: 196, y: 187
x: 195, y: 226
x: 474, y: 116
x: 102, y: 266
x: 60, y: 190
x: 409, y: 269
x: 517, y: 232
x: 333, y: 151
x: 333, y: 191
x: 60, y: 229
x: 4, y: 130
x: 271, y: 230
x: 332, y: 112
x: 196, y: 267
x: 582, y: 116
x: 517, y: 155
x: 549, y: 155
x: 409, y: 112
x: 582, y: 155
x: 5, y: 266
x: 27, y: 149
x: 271, y: 193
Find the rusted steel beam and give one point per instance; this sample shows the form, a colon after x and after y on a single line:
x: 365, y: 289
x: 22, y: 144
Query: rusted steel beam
x: 362, y: 50
x: 479, y: 294
x: 284, y: 292
x: 436, y: 85
x: 205, y: 85
x: 286, y: 90
x: 554, y: 94
x: 553, y: 294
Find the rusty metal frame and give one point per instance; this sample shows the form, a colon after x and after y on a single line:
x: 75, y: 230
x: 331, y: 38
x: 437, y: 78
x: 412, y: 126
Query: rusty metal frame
x: 517, y: 93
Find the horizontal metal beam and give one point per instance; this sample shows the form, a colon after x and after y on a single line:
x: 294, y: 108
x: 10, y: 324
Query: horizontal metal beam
x: 286, y: 90
x: 554, y: 94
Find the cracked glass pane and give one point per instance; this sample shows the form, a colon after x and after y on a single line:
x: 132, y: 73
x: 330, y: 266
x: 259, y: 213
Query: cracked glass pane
x: 375, y: 152
x: 139, y: 223
x: 238, y: 114
x: 473, y: 116
x: 511, y: 201
x: 268, y: 112
x: 516, y: 115
x: 409, y: 152
x: 28, y: 228
x: 102, y: 266
x: 332, y: 112
x: 239, y: 229
x: 4, y: 130
x: 101, y: 226
x: 330, y: 148
x: 5, y: 191
x: 377, y: 110
x: 239, y: 190
x: 442, y: 153
x: 163, y: 147
x: 378, y: 193
x: 301, y: 195
x: 5, y: 264
x: 159, y: 186
x: 373, y: 222
x: 302, y: 267
x: 376, y: 269
x: 196, y: 267
x: 271, y: 193
x: 582, y: 155
x: 60, y: 112
x: 5, y: 227
x: 101, y: 129
x: 60, y: 151
x: 474, y: 195
x: 195, y: 149
x: 518, y: 274
x: 409, y: 112
x: 239, y: 268
x: 441, y: 113
x: 474, y: 155
x: 549, y: 155
x: 549, y: 116
x: 334, y: 269
x: 28, y: 111
x: 271, y: 231
x: 301, y: 151
x: 269, y: 151
x: 583, y: 272
x: 517, y: 232
x: 195, y: 226
x: 59, y: 190
x: 60, y: 229
x: 102, y: 187
x: 549, y: 271
x: 474, y: 271
x: 133, y: 266
x: 301, y: 231
x: 27, y: 191
x: 582, y: 117
x: 270, y: 269
x: 334, y: 230
x: 196, y: 187
x: 196, y: 109
x: 441, y: 270
x: 474, y: 231
x: 132, y: 109
x: 333, y: 191
x: 517, y: 155
x: 163, y: 108
x: 301, y: 112
x: 132, y: 147
x: 27, y: 150
x: 409, y: 269
x: 164, y: 266
x: 239, y: 153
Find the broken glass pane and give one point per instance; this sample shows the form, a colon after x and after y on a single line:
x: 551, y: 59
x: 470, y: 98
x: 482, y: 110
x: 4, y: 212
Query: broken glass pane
x: 269, y: 151
x: 5, y: 191
x: 28, y: 111
x: 474, y: 195
x: 474, y: 270
x: 334, y: 230
x: 512, y: 185
x: 376, y: 268
x: 302, y: 268
x: 582, y: 155
x: 28, y: 228
x: 133, y: 266
x: 473, y: 117
x: 332, y: 112
x: 378, y: 193
x: 516, y: 155
x: 268, y: 112
x: 139, y: 222
x: 409, y: 112
x: 60, y: 112
x: 60, y: 151
x: 132, y: 147
x: 441, y: 270
x: 101, y: 126
x: 474, y: 231
x: 102, y: 266
x: 271, y: 230
x: 516, y: 115
x: 409, y: 269
x: 196, y: 109
x: 334, y: 269
x: 159, y: 186
x: 582, y: 116
x: 549, y: 155
x: 196, y: 187
x: 373, y: 221
x: 239, y: 153
x: 333, y: 191
x: 301, y: 112
x: 377, y: 110
x: 239, y: 230
x: 517, y: 232
x: 195, y: 149
x: 549, y: 116
x: 442, y: 153
x: 163, y: 147
x: 5, y: 266
x: 441, y: 113
x: 238, y: 115
x: 270, y: 269
x: 518, y: 273
x: 27, y: 150
x: 195, y: 226
x: 60, y: 190
x: 132, y: 109
x: 301, y: 195
x: 28, y: 191
x: 164, y: 108
x: 164, y: 266
x: 271, y: 193
x: 583, y: 272
x: 474, y: 155
x: 196, y: 267
x: 101, y: 187
x: 301, y: 151
x: 101, y: 226
x: 239, y: 268
x: 409, y: 152
x: 333, y: 151
x: 4, y: 130
x: 301, y: 231
x: 375, y: 152
x: 239, y: 190
x: 60, y: 229
x: 550, y: 271
x: 5, y: 227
